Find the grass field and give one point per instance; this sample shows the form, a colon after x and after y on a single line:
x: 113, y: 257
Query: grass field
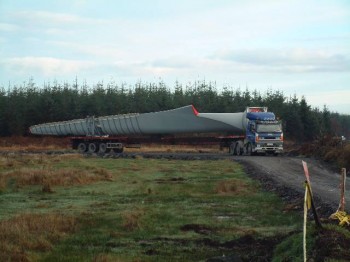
x: 74, y: 208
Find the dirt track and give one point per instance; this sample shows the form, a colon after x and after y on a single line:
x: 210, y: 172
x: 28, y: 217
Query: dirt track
x: 287, y: 172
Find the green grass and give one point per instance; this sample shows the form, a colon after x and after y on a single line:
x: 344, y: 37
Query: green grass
x: 331, y: 243
x: 291, y: 249
x: 140, y: 215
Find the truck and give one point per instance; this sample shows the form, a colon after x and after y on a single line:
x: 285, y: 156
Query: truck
x: 254, y: 131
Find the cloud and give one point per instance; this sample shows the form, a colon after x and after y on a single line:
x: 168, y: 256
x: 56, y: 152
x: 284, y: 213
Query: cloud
x: 46, y: 66
x: 96, y: 50
x: 44, y: 18
x: 287, y: 60
x: 173, y: 62
x: 50, y: 67
x: 8, y: 27
x: 335, y: 99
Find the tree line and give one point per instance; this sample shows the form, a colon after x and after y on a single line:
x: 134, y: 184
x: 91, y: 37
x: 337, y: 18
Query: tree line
x: 28, y: 104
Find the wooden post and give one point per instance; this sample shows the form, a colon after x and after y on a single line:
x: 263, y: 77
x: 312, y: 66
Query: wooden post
x: 314, y: 211
x: 308, y: 184
x: 342, y: 190
x: 306, y: 207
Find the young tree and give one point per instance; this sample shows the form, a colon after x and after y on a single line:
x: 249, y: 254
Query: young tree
x: 294, y: 125
x: 326, y: 121
x: 3, y: 111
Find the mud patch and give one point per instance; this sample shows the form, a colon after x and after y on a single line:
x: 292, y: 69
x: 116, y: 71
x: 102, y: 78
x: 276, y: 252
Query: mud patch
x: 174, y: 180
x: 199, y: 229
x: 254, y: 249
x: 246, y: 248
x: 169, y: 156
x: 338, y: 246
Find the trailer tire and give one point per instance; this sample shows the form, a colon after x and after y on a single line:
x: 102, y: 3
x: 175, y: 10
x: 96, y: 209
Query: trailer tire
x: 93, y: 148
x: 102, y: 148
x: 82, y: 148
x: 238, y: 149
x: 232, y: 148
x: 118, y: 150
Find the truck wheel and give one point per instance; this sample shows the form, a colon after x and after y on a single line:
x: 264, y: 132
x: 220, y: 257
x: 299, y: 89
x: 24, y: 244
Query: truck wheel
x: 102, y: 148
x: 249, y: 149
x: 82, y: 148
x: 92, y: 147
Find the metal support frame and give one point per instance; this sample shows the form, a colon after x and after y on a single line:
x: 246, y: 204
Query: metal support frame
x: 93, y: 126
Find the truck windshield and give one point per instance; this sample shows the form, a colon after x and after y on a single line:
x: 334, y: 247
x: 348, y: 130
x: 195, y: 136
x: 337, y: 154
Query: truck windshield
x: 269, y: 128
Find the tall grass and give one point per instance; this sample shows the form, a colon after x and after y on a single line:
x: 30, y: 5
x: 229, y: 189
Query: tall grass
x: 132, y: 219
x: 233, y: 187
x: 25, y: 233
x: 12, y: 161
x: 176, y: 148
x: 330, y: 150
x: 2, y: 184
x: 50, y: 177
x: 341, y: 156
x: 20, y: 143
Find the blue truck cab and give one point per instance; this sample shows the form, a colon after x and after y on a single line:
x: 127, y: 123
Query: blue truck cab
x: 263, y: 132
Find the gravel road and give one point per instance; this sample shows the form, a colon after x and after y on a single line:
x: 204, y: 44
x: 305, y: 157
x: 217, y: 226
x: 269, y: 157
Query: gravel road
x: 288, y: 172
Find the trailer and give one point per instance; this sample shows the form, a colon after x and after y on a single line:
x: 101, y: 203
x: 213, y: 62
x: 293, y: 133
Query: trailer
x: 253, y: 131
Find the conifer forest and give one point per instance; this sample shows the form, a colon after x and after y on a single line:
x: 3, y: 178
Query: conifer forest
x: 28, y: 104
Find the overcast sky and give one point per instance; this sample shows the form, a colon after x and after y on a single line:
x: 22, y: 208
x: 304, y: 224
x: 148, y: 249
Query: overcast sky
x: 300, y: 47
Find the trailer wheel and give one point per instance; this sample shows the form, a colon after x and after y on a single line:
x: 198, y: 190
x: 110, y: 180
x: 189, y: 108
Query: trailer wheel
x: 102, y: 148
x: 238, y: 149
x: 82, y: 147
x: 232, y: 148
x: 92, y: 147
x: 118, y: 150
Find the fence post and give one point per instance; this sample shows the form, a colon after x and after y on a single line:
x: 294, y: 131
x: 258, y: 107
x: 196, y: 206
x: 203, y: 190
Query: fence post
x: 342, y: 190
x: 308, y: 185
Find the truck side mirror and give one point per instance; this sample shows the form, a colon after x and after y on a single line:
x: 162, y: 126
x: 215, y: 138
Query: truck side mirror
x: 252, y: 127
